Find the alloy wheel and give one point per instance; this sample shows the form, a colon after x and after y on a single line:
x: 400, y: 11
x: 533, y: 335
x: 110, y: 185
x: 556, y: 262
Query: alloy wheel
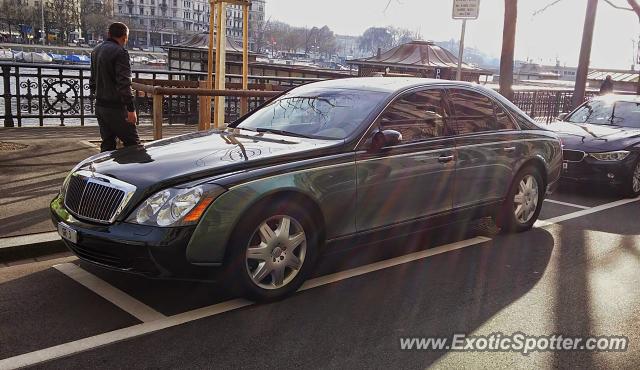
x: 526, y: 199
x: 276, y: 252
x: 636, y: 178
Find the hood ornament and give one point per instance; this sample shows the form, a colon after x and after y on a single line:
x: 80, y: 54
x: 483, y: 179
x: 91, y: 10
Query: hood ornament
x: 92, y: 168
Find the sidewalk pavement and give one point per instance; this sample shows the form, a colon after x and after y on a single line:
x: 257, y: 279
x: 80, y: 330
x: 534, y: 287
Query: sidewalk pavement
x: 33, y: 164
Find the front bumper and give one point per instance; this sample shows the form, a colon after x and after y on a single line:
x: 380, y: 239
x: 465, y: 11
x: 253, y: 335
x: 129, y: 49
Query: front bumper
x: 147, y: 250
x: 591, y: 170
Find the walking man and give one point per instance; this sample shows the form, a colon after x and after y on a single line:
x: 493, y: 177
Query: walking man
x: 110, y: 83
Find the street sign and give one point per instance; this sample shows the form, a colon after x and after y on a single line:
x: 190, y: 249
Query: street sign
x: 466, y: 9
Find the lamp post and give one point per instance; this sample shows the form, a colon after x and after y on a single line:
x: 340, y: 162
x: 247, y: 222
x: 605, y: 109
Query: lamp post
x: 42, y: 31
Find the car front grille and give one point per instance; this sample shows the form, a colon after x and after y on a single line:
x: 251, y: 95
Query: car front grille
x: 573, y: 155
x: 96, y: 198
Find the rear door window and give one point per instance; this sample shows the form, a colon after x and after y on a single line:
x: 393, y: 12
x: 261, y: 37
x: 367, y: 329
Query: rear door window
x: 474, y: 112
x: 417, y: 116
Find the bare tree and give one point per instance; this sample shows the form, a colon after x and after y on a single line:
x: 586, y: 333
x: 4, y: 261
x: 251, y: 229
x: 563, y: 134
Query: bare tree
x: 375, y: 38
x: 587, y: 37
x: 9, y: 12
x: 508, y: 46
x: 95, y: 17
x: 63, y: 16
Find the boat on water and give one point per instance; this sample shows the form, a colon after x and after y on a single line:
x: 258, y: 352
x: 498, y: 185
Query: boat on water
x: 58, y: 58
x: 31, y: 57
x: 77, y: 59
x: 6, y: 54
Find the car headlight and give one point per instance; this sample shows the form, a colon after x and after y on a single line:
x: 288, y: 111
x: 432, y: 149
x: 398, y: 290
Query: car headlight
x: 176, y: 206
x: 611, y: 156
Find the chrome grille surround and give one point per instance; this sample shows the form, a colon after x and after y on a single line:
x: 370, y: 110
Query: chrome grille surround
x: 573, y: 155
x: 95, y: 197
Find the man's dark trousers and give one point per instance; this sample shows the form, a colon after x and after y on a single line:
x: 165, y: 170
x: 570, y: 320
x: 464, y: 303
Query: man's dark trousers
x: 113, y: 124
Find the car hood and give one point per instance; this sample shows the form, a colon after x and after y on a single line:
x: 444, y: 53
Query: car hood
x: 203, y: 154
x: 589, y: 137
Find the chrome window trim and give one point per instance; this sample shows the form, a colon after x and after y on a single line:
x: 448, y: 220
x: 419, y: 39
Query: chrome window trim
x: 444, y: 86
x: 106, y: 181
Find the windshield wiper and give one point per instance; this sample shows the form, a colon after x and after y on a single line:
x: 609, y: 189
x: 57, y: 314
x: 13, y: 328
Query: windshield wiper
x: 282, y: 132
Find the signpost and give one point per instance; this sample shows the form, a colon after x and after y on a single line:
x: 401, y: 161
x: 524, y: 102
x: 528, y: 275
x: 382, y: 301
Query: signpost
x: 464, y: 9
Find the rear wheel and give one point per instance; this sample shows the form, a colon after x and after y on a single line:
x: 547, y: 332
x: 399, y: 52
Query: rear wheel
x: 522, y: 206
x: 273, y: 252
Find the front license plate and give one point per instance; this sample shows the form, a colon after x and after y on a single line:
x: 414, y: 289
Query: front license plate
x: 67, y: 233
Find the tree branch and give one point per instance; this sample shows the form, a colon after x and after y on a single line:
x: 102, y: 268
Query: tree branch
x: 635, y: 7
x: 546, y: 7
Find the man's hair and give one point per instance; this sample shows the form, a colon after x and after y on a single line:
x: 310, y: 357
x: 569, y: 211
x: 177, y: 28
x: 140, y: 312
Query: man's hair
x: 118, y: 29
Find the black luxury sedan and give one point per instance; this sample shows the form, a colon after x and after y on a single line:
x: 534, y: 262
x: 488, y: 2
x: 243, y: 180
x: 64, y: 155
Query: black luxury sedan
x: 601, y: 143
x: 341, y: 161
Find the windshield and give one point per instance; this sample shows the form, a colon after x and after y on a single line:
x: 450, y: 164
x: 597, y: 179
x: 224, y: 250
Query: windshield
x: 315, y: 113
x: 608, y: 112
x: 626, y: 114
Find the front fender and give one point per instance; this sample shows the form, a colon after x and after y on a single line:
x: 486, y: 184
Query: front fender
x: 332, y: 188
x: 544, y: 147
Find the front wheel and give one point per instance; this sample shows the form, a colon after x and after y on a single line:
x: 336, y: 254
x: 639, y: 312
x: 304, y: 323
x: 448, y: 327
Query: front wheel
x: 522, y: 206
x: 273, y: 252
x: 631, y: 188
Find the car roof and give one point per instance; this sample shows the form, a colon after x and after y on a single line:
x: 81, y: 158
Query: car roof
x: 383, y: 84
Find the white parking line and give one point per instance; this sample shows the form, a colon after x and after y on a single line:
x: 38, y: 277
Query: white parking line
x: 86, y: 344
x: 584, y: 212
x: 361, y: 270
x: 16, y: 241
x: 119, y: 298
x: 566, y: 204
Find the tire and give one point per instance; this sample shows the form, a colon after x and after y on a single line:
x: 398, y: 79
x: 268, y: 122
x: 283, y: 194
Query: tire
x: 265, y: 263
x: 517, y: 217
x: 631, y: 187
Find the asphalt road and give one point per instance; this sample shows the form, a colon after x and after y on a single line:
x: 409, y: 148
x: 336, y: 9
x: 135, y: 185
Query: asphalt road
x: 575, y: 274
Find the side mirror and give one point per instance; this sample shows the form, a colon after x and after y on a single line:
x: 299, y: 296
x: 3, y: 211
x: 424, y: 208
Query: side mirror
x: 562, y: 116
x: 385, y: 138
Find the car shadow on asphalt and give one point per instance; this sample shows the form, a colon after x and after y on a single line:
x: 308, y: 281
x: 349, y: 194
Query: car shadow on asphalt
x: 358, y: 322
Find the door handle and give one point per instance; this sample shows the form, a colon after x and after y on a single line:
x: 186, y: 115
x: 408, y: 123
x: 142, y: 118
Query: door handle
x: 445, y: 158
x: 509, y: 149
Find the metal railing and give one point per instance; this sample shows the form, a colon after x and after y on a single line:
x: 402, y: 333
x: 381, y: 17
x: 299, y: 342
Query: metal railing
x: 46, y: 94
x: 546, y: 105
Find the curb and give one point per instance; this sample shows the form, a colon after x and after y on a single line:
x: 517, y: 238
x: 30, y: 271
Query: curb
x: 30, y: 246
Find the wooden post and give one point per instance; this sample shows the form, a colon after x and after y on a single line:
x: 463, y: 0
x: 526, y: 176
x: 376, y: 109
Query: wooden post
x: 206, y: 104
x: 244, y: 102
x: 204, y: 113
x: 157, y: 116
x: 221, y: 56
x: 220, y: 28
x: 508, y: 46
x: 585, y: 53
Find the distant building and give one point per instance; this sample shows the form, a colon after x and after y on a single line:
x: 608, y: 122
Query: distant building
x: 160, y: 22
x: 528, y: 71
x: 417, y: 58
x: 192, y: 55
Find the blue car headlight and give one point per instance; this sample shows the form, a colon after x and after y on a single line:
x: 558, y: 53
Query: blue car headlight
x: 617, y: 155
x: 176, y: 206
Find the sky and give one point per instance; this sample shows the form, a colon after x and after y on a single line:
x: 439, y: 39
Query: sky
x: 554, y: 33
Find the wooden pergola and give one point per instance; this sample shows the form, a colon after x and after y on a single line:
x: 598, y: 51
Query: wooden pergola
x: 217, y: 20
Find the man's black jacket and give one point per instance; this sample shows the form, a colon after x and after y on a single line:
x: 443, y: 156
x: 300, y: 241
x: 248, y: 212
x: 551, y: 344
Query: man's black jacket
x: 110, y: 79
